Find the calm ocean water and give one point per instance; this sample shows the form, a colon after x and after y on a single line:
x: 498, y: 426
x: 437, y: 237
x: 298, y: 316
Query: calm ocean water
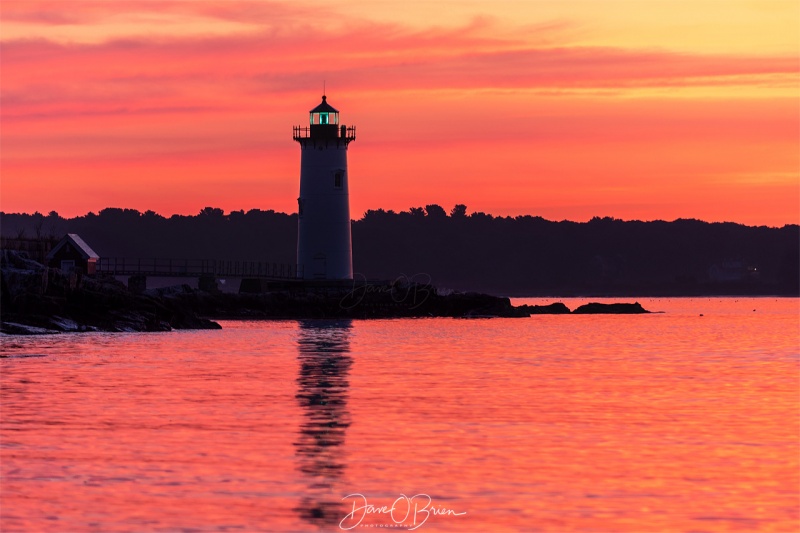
x: 663, y: 422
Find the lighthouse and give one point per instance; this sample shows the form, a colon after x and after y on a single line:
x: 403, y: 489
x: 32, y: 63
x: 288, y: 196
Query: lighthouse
x: 324, y: 245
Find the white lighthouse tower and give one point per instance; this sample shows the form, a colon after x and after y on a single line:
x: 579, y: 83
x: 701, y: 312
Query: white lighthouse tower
x: 324, y: 246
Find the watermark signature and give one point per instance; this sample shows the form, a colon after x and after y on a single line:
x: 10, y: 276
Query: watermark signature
x: 412, y: 290
x: 407, y: 512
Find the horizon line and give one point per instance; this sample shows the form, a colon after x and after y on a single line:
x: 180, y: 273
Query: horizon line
x: 410, y: 211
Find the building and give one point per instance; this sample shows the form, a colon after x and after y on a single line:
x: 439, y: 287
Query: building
x: 324, y: 244
x: 73, y: 254
x: 732, y: 270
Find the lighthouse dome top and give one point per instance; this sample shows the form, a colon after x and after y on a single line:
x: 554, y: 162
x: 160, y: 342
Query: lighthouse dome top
x: 324, y: 113
x: 324, y: 107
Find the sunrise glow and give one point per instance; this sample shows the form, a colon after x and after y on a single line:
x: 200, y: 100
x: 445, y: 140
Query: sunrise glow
x: 564, y: 109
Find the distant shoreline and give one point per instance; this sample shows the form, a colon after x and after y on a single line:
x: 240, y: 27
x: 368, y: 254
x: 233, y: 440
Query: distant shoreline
x: 523, y: 256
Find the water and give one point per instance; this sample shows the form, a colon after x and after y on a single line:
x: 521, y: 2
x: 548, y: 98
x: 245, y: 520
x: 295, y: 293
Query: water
x: 663, y: 422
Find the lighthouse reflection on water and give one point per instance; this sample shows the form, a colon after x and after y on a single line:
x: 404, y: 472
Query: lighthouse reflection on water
x: 323, y: 355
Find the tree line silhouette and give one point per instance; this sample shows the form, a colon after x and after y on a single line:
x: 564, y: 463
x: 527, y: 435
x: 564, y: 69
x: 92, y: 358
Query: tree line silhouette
x: 523, y: 255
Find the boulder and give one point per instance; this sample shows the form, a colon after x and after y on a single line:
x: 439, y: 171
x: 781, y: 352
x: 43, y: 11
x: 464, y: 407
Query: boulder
x: 595, y: 308
x: 556, y: 308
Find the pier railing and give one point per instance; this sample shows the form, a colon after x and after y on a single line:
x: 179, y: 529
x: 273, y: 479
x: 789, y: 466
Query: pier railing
x: 121, y: 266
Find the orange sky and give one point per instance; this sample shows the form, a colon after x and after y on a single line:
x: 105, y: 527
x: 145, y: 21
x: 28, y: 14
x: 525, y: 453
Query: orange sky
x: 567, y: 109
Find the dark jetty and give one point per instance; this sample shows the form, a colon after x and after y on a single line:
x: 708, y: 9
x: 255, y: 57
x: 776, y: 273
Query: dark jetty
x: 375, y: 300
x: 37, y: 299
x: 348, y: 299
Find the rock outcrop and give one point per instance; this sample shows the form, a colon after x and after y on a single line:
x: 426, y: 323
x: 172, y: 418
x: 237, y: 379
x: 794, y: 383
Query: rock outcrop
x: 557, y: 308
x: 595, y: 308
x: 37, y: 299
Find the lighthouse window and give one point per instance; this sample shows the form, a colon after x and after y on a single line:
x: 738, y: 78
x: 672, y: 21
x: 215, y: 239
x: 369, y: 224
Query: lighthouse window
x: 337, y: 180
x: 324, y: 118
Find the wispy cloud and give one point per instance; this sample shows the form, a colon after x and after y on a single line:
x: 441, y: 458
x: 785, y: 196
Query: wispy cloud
x: 157, y: 81
x: 372, y: 57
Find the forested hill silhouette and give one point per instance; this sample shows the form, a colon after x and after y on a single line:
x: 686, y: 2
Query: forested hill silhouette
x: 525, y: 255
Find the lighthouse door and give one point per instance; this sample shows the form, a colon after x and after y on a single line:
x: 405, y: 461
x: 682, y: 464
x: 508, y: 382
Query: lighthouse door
x: 320, y: 266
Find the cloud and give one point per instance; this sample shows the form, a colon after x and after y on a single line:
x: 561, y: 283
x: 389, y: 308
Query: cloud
x: 176, y: 91
x: 88, y: 12
x: 218, y: 70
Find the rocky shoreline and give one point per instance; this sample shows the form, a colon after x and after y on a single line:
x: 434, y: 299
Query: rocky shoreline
x: 38, y: 300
